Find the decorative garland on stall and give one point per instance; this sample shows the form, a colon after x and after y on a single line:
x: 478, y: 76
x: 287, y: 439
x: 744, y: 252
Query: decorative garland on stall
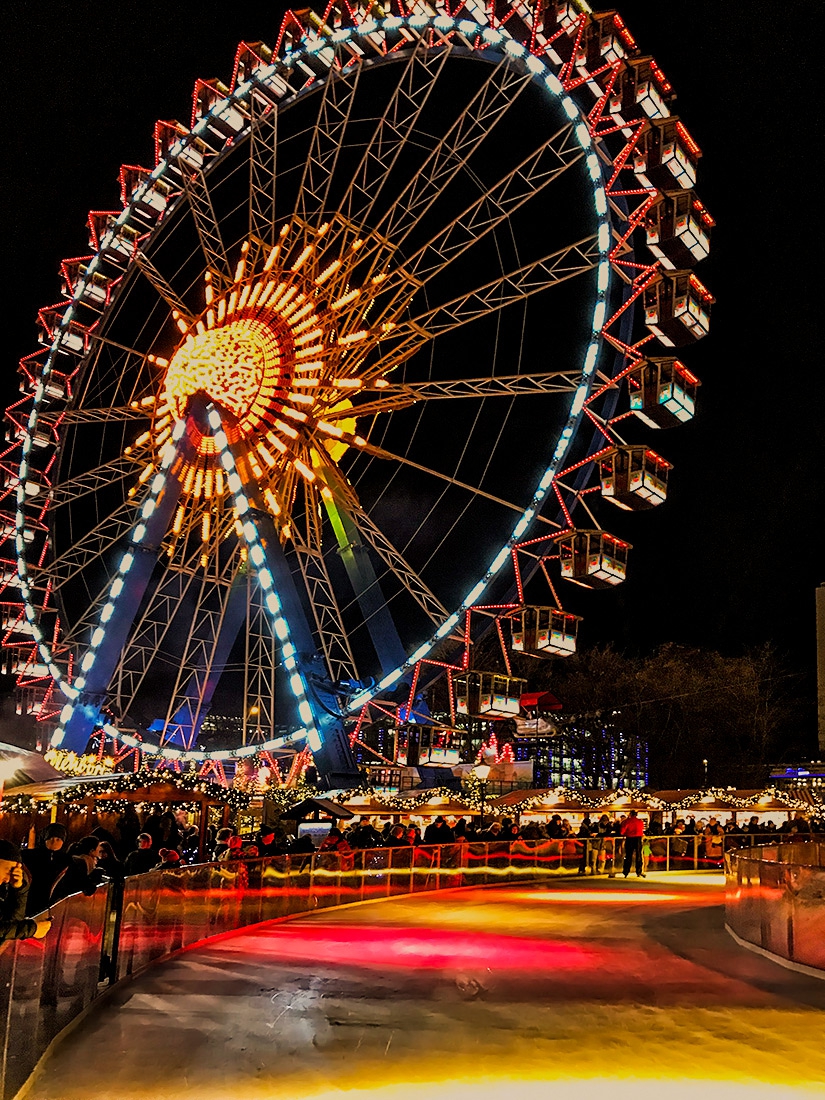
x: 79, y: 793
x: 727, y: 795
x: 603, y: 800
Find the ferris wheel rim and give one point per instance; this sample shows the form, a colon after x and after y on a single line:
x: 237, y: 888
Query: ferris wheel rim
x: 542, y: 76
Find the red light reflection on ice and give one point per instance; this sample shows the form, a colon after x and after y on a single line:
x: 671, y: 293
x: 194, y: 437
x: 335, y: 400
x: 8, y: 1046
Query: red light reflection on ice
x: 421, y: 948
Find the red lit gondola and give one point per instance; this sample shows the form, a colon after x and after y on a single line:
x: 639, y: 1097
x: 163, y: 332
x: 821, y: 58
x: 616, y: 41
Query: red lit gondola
x: 678, y: 229
x: 543, y: 632
x: 677, y: 308
x: 488, y: 694
x: 663, y: 392
x: 640, y: 90
x: 593, y: 559
x: 665, y: 155
x: 634, y: 477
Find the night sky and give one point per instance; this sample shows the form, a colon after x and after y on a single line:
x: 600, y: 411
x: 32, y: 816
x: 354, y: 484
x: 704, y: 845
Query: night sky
x: 732, y: 559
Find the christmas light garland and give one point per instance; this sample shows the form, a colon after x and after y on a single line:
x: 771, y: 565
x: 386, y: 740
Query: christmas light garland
x: 80, y: 792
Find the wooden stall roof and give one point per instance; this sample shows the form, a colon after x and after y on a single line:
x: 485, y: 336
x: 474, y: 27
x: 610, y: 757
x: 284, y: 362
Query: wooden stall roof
x: 316, y: 805
x: 697, y: 801
x: 516, y: 798
x: 162, y: 791
x: 450, y: 807
x: 31, y: 768
x: 51, y: 787
x: 730, y: 800
x: 677, y: 795
x: 552, y: 800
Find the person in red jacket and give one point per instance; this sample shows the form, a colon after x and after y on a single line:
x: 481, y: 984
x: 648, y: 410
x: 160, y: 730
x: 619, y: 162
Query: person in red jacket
x: 632, y: 830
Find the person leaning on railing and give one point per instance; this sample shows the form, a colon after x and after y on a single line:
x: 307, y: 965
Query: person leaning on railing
x: 14, y: 893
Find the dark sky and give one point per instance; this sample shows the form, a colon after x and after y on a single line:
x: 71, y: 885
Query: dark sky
x: 732, y: 559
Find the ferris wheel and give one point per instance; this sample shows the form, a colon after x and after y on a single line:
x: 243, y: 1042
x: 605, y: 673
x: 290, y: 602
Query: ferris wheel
x: 343, y: 372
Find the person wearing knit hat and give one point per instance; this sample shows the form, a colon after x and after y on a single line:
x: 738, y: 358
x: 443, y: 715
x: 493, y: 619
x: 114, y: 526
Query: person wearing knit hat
x: 14, y: 891
x: 45, y: 863
x: 169, y: 860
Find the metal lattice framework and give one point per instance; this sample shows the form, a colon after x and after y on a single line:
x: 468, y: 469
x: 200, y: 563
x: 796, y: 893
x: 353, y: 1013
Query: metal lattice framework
x: 317, y: 393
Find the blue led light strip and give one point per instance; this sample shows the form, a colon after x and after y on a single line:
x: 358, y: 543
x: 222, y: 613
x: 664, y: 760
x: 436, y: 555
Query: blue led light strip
x: 257, y: 557
x: 156, y: 487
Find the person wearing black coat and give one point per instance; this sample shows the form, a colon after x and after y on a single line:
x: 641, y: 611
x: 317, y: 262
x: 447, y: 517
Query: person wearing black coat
x: 397, y: 838
x: 45, y: 863
x: 438, y: 832
x: 143, y: 858
x: 268, y: 846
x: 14, y: 892
x: 82, y: 876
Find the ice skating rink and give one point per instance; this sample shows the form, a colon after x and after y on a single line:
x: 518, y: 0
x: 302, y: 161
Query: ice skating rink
x: 586, y: 988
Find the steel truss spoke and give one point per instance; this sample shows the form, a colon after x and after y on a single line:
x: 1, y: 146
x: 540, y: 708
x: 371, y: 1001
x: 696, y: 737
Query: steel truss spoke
x: 334, y: 641
x: 156, y: 620
x: 328, y: 138
x: 93, y: 416
x: 396, y: 126
x: 514, y: 286
x: 263, y: 154
x: 500, y: 201
x: 380, y: 452
x: 92, y: 546
x: 101, y: 477
x: 97, y: 338
x: 206, y: 224
x: 198, y: 658
x: 401, y: 396
x: 162, y: 286
x: 374, y: 537
x: 450, y: 156
x: 260, y: 667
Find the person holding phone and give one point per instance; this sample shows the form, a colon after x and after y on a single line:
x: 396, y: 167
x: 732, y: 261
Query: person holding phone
x: 14, y: 893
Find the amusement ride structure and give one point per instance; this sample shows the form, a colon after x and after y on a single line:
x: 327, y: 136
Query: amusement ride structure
x: 341, y: 379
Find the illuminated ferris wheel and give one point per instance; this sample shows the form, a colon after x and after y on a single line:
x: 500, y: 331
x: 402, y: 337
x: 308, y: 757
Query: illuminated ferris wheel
x: 315, y: 399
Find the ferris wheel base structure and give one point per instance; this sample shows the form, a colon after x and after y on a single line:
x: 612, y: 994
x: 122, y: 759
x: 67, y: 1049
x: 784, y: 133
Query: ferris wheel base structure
x: 341, y: 376
x: 332, y: 753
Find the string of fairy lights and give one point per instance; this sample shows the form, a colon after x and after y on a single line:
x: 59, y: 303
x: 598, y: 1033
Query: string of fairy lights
x: 440, y: 799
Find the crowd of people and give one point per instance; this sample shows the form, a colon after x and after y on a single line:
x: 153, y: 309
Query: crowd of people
x: 33, y: 879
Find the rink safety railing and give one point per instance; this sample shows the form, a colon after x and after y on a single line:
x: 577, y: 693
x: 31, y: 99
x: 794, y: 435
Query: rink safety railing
x: 775, y: 901
x: 100, y: 940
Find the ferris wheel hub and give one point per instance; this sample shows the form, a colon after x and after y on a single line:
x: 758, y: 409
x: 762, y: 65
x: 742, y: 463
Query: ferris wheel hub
x: 244, y: 366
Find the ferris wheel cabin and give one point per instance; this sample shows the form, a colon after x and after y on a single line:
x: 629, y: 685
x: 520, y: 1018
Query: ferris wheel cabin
x: 665, y: 155
x: 488, y: 694
x: 677, y: 308
x: 663, y: 392
x: 593, y: 559
x: 543, y: 632
x: 634, y: 478
x: 678, y: 229
x: 604, y: 40
x: 640, y: 90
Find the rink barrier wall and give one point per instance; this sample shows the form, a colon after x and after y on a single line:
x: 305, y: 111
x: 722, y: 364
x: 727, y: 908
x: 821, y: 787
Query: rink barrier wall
x: 775, y: 903
x: 99, y: 940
